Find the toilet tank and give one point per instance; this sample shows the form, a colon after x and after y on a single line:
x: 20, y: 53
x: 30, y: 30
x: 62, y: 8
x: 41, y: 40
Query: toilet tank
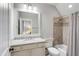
x: 49, y: 42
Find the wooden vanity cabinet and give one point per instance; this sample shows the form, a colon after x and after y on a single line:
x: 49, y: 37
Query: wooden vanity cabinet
x: 34, y: 49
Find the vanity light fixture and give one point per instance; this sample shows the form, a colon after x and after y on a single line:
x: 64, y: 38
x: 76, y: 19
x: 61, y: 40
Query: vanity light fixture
x: 70, y: 6
x: 29, y: 7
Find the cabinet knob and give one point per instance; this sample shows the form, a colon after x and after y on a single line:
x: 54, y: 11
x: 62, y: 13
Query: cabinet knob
x: 11, y: 49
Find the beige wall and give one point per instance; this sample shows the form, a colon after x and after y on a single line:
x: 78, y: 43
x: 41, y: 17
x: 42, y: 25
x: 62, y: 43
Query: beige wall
x: 61, y: 30
x: 57, y: 31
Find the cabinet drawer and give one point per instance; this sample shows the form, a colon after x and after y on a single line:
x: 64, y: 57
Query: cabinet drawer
x: 41, y: 45
x: 29, y: 46
x: 38, y: 52
x: 23, y: 47
x: 18, y: 48
x: 21, y: 53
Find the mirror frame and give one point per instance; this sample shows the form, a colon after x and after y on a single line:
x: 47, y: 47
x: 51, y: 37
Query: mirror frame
x: 35, y: 35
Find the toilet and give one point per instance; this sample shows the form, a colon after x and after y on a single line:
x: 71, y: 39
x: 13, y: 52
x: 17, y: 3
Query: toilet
x: 51, y: 50
x: 62, y: 49
x: 58, y: 50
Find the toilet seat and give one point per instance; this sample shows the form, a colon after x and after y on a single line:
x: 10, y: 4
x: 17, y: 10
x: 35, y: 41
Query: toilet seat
x: 53, y: 51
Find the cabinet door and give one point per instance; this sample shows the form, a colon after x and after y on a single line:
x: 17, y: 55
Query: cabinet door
x: 38, y: 52
x: 21, y: 53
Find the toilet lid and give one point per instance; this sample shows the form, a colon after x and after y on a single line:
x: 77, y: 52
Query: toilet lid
x: 53, y: 50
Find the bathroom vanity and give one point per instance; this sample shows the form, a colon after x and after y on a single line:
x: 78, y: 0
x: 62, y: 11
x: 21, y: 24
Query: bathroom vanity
x: 25, y: 23
x: 34, y: 47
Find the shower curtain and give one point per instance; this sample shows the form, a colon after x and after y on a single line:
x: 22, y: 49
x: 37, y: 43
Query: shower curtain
x: 73, y: 46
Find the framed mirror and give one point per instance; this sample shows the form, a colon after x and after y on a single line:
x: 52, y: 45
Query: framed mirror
x: 25, y: 23
x: 28, y: 23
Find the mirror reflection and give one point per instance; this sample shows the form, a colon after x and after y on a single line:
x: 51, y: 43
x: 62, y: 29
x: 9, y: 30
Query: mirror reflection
x: 27, y: 23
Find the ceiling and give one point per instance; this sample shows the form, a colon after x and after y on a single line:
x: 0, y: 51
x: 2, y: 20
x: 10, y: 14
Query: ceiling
x: 55, y: 4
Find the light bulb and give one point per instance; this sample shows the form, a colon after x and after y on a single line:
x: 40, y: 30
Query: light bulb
x: 34, y: 8
x: 30, y: 7
x: 25, y: 6
x: 69, y: 6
